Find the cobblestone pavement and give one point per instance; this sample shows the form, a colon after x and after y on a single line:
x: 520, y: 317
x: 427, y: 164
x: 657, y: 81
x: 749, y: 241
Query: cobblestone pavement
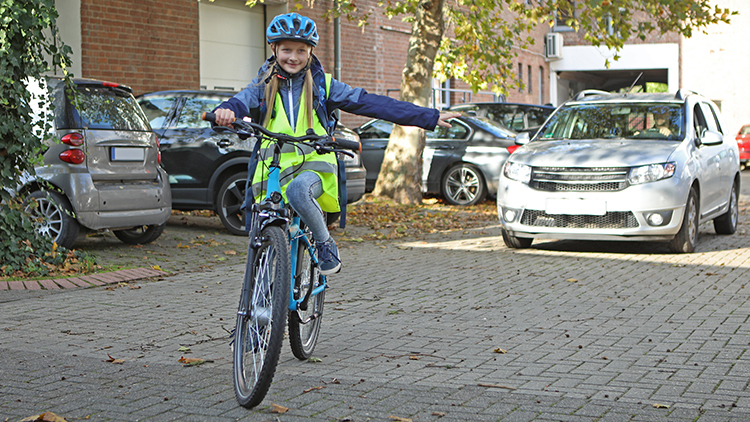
x: 455, y: 327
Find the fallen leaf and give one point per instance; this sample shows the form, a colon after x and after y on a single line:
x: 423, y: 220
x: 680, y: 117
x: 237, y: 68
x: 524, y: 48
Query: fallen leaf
x: 320, y: 387
x: 413, y: 357
x: 275, y: 408
x: 134, y: 287
x: 45, y: 417
x: 315, y: 360
x: 572, y: 280
x: 660, y: 406
x: 230, y: 252
x: 190, y: 361
x: 440, y: 414
x: 184, y: 349
x: 113, y: 360
x: 396, y: 418
x: 156, y: 267
x: 499, y: 350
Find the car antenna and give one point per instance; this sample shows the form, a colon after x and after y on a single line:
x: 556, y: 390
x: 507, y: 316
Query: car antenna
x: 634, y: 82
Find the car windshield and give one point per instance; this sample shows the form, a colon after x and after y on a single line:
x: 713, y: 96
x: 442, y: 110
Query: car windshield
x: 101, y: 107
x: 630, y: 120
x: 745, y: 130
x: 492, y: 127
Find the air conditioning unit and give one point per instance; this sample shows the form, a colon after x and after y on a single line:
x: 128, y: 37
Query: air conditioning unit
x: 553, y: 46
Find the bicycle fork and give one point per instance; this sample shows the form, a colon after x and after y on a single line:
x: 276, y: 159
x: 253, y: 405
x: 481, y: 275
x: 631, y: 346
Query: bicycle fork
x: 299, y: 239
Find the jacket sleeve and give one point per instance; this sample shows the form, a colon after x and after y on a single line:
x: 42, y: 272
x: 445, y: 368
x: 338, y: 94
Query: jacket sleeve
x: 360, y: 102
x: 246, y: 100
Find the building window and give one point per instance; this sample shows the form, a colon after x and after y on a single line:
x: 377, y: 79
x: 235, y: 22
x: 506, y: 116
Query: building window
x: 565, y: 10
x: 529, y: 78
x: 520, y: 77
x: 541, y: 85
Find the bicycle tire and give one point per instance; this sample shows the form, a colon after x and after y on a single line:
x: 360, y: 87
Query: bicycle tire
x: 304, y: 336
x: 259, y: 335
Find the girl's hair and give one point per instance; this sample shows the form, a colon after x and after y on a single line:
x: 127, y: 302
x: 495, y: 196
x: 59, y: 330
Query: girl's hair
x: 272, y: 88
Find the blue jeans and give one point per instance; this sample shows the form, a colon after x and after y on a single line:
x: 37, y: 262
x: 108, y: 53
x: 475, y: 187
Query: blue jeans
x: 302, y: 193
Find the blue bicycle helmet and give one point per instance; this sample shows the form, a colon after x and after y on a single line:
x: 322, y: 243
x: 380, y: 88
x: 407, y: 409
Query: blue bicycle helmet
x: 293, y: 27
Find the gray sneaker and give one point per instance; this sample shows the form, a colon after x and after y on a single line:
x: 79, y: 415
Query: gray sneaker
x: 328, y: 257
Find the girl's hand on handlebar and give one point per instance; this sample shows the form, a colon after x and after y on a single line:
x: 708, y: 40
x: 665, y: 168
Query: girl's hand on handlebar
x: 224, y: 117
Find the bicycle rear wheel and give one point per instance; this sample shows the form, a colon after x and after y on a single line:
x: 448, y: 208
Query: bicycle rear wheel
x: 304, y: 324
x: 260, y: 331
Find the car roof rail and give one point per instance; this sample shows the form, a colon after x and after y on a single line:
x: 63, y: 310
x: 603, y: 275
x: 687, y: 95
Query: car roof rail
x: 681, y: 94
x: 586, y: 92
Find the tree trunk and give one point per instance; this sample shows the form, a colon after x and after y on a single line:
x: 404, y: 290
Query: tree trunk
x: 400, y: 177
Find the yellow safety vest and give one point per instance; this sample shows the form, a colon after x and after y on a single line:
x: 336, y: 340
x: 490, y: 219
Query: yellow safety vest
x: 296, y: 158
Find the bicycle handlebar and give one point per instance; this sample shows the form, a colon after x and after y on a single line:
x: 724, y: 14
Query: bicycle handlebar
x: 310, y: 137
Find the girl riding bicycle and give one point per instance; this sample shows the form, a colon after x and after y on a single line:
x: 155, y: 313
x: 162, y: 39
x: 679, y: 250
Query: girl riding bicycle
x: 292, y: 94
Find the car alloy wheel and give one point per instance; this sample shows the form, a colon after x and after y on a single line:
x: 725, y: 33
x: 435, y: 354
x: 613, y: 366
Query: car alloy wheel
x: 229, y: 201
x: 463, y: 184
x: 53, y: 216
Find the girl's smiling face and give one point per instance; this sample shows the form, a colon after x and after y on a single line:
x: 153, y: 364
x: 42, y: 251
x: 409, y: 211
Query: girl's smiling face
x: 292, y: 56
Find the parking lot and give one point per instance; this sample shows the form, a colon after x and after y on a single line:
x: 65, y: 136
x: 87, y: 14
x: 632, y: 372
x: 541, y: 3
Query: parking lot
x: 452, y: 327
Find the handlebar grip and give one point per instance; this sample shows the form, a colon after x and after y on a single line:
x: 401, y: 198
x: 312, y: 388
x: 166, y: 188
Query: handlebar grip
x: 209, y: 117
x: 348, y: 144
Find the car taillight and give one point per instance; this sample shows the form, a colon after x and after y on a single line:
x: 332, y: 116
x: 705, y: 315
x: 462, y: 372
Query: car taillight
x: 110, y: 84
x: 75, y: 139
x: 511, y: 149
x: 158, y: 150
x: 73, y: 156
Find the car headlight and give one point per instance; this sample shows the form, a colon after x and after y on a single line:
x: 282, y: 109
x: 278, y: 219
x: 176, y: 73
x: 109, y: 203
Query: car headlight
x: 651, y: 173
x: 518, y: 172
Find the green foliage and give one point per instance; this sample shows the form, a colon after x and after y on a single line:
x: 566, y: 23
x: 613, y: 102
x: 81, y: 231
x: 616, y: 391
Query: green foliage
x: 27, y: 50
x: 22, y: 249
x: 487, y: 34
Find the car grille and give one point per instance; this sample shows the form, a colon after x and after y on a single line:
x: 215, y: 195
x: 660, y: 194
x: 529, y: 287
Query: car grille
x: 584, y: 179
x: 611, y: 220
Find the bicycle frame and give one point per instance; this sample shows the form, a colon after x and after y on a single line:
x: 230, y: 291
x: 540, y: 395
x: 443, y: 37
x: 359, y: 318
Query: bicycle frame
x: 272, y: 212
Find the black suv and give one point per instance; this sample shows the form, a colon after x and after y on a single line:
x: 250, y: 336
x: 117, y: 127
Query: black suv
x: 208, y: 169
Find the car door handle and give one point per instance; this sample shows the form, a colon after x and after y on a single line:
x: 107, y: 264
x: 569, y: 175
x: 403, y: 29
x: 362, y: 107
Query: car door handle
x: 224, y: 143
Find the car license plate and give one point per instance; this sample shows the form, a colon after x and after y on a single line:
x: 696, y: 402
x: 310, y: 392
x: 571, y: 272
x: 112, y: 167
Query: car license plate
x: 576, y: 206
x: 128, y: 154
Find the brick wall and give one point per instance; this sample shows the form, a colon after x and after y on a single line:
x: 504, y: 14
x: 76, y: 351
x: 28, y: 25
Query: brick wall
x: 147, y: 44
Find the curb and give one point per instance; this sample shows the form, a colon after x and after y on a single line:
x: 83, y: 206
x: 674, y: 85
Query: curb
x: 82, y: 281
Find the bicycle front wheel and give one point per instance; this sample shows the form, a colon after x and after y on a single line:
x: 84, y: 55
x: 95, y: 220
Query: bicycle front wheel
x: 304, y: 324
x: 260, y: 329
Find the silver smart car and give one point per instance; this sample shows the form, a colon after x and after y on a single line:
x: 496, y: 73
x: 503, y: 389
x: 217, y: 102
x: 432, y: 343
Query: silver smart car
x: 623, y: 167
x: 101, y: 165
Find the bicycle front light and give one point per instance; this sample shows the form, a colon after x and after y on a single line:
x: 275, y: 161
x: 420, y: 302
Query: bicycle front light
x: 517, y: 172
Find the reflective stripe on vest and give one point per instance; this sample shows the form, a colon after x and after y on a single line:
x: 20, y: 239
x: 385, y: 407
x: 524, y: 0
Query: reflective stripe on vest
x: 296, y: 159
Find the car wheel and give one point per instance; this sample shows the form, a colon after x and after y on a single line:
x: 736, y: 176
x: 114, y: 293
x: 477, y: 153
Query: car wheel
x: 727, y: 222
x: 229, y: 201
x: 140, y: 235
x: 687, y: 238
x: 463, y: 184
x: 516, y: 242
x: 53, y: 216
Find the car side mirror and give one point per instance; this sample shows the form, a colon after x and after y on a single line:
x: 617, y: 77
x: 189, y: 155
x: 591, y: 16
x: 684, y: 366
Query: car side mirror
x: 523, y: 138
x: 711, y: 138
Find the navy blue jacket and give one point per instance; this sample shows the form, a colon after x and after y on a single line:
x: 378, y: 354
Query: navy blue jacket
x: 250, y: 101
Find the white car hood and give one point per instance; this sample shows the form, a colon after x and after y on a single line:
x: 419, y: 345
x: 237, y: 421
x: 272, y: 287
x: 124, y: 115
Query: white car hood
x: 594, y: 153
